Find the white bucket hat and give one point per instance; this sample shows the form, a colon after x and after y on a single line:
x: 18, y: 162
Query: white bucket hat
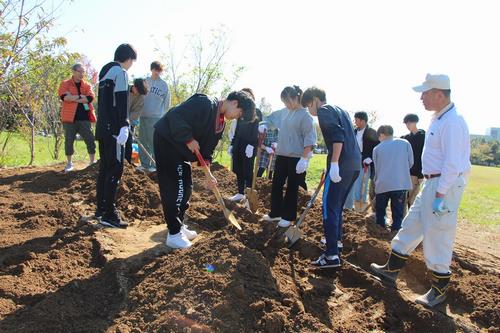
x: 434, y: 81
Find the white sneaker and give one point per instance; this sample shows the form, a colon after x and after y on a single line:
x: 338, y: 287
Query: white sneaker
x: 268, y: 218
x: 152, y: 169
x: 190, y: 234
x: 323, y: 240
x: 69, y: 167
x: 237, y: 197
x: 178, y: 241
x: 284, y: 223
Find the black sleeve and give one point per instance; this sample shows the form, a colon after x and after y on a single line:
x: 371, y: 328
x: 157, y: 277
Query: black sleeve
x: 372, y: 142
x: 331, y: 125
x: 181, y: 118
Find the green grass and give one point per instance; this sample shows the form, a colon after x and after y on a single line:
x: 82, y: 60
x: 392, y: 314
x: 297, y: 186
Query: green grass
x: 481, y: 200
x: 17, y: 152
x: 480, y: 204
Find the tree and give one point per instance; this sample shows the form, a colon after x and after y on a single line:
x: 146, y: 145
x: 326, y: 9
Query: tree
x: 25, y: 63
x: 199, y: 66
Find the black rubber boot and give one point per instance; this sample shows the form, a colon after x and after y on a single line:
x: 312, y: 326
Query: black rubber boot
x: 390, y: 270
x: 437, y: 293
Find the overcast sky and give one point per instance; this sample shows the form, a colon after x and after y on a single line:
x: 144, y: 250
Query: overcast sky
x: 366, y: 54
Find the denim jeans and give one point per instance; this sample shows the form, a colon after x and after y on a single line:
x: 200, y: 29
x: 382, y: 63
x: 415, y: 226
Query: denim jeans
x: 356, y: 190
x: 398, y: 201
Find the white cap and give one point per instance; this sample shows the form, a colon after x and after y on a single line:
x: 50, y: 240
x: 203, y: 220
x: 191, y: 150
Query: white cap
x: 434, y: 81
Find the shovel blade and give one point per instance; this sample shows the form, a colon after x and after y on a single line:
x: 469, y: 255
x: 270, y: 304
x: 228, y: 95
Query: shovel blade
x: 253, y: 200
x: 292, y: 235
x: 231, y: 218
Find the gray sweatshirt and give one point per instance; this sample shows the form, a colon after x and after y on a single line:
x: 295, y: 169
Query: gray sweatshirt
x: 296, y: 131
x: 157, y: 101
x: 393, y: 159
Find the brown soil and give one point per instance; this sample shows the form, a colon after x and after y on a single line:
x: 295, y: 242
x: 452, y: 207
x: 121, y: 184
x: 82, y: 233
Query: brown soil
x: 60, y: 272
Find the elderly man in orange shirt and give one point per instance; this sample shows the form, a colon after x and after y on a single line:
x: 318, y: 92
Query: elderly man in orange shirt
x: 77, y: 113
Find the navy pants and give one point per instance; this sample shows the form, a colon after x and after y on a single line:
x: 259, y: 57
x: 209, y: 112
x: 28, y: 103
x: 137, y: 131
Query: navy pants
x: 334, y: 196
x: 398, y: 201
x: 110, y: 173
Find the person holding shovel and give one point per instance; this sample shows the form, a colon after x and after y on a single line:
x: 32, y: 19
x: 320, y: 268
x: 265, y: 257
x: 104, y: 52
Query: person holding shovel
x: 366, y: 138
x: 343, y: 165
x: 295, y: 143
x: 243, y: 150
x: 192, y: 127
x: 112, y: 131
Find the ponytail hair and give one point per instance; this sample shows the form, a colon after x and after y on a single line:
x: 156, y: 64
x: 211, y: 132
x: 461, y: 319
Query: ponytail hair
x: 292, y: 92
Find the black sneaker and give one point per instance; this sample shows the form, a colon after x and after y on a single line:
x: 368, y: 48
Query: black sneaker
x: 326, y: 262
x: 113, y: 221
x: 98, y: 213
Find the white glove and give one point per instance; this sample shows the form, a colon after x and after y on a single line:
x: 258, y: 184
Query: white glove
x: 334, y: 172
x: 367, y: 161
x: 269, y: 150
x: 230, y: 150
x: 302, y: 165
x: 122, y: 138
x: 249, y: 150
x: 274, y: 145
x: 262, y: 128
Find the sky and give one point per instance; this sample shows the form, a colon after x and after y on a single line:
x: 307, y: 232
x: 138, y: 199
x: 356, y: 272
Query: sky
x: 366, y: 55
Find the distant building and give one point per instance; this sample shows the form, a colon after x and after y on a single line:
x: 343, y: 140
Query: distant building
x: 493, y: 132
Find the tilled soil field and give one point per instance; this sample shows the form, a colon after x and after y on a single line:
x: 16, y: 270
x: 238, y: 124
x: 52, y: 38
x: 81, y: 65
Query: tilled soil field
x: 58, y: 274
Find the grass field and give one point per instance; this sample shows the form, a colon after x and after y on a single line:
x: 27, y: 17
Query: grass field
x: 17, y: 152
x: 480, y: 203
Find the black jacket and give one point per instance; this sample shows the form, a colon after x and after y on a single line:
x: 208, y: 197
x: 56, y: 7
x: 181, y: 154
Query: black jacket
x: 197, y: 118
x: 246, y: 133
x: 112, y: 109
x: 370, y: 141
x: 417, y: 145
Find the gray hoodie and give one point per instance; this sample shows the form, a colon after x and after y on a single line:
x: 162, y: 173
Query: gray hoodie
x: 157, y: 101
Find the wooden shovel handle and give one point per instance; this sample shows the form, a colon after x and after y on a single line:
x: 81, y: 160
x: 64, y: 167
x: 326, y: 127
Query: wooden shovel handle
x: 208, y: 173
x: 262, y: 137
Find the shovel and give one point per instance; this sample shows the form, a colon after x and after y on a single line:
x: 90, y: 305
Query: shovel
x: 227, y: 213
x: 251, y: 193
x: 293, y: 232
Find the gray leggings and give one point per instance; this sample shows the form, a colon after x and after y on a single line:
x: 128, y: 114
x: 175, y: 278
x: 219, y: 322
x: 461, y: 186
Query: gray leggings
x: 82, y: 127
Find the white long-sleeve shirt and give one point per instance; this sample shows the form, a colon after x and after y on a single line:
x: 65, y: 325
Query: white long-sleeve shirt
x: 446, y: 148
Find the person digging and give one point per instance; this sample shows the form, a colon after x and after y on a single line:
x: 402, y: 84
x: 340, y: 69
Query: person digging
x: 432, y: 219
x: 343, y: 166
x: 194, y: 126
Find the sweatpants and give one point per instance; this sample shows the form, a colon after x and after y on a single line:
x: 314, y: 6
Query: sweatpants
x: 398, y: 202
x: 82, y: 127
x: 175, y: 182
x: 436, y: 232
x: 110, y: 173
x: 146, y: 129
x: 284, y: 171
x: 243, y: 168
x: 334, y: 197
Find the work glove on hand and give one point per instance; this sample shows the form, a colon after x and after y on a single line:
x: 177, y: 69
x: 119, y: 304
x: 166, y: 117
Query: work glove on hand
x: 274, y: 145
x: 269, y: 150
x: 302, y: 165
x: 334, y: 172
x: 262, y: 128
x: 439, y: 207
x: 122, y: 138
x: 135, y: 122
x: 367, y: 161
x: 249, y: 151
x: 230, y: 150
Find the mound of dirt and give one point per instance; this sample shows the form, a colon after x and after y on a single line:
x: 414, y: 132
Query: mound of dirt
x: 55, y: 274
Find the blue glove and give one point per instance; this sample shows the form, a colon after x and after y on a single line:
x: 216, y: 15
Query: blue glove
x: 439, y: 208
x: 135, y: 122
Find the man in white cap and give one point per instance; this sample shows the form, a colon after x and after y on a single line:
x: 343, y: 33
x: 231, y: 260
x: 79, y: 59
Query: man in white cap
x: 432, y: 219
